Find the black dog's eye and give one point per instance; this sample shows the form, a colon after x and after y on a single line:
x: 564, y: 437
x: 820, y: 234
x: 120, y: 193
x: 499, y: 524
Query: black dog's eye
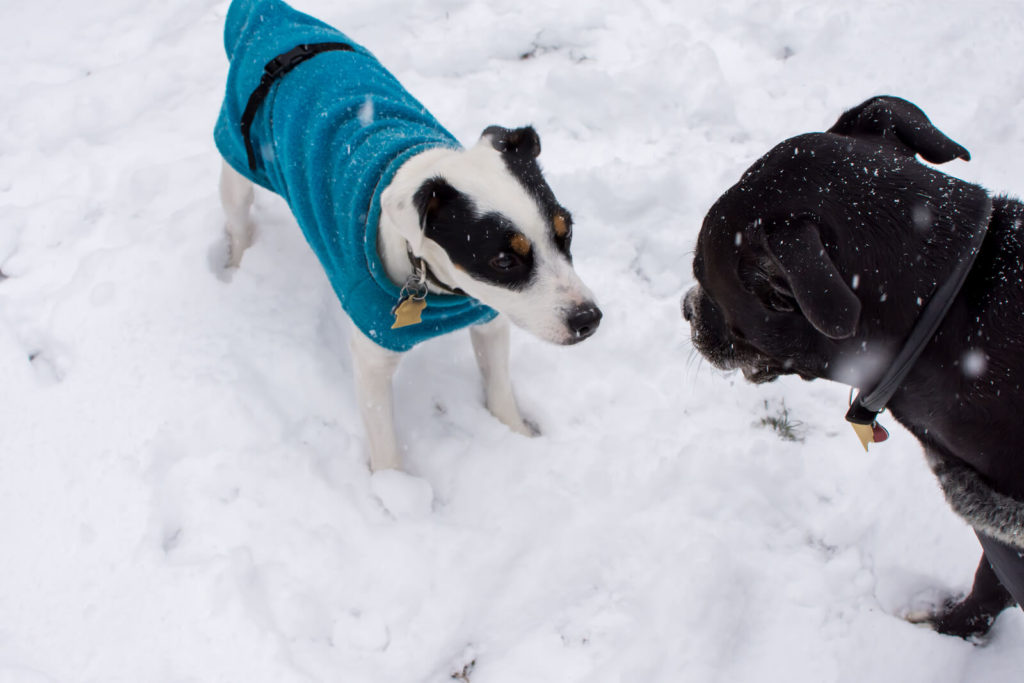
x: 505, y: 261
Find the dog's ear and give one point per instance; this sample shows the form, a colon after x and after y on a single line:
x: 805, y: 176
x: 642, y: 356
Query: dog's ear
x: 432, y: 197
x: 521, y: 142
x: 902, y: 123
x: 815, y: 283
x: 409, y: 207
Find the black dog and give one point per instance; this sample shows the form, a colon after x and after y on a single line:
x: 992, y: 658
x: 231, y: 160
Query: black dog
x: 838, y: 255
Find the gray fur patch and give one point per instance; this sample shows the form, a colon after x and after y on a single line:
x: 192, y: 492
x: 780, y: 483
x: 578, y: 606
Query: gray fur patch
x: 986, y: 510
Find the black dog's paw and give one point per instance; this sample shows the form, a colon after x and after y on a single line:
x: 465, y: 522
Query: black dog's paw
x: 965, y: 618
x: 970, y: 618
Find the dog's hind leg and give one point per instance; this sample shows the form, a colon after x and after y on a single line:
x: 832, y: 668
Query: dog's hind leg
x: 491, y: 345
x: 374, y: 366
x: 236, y: 194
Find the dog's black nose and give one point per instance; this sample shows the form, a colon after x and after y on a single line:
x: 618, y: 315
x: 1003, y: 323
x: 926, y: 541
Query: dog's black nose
x: 583, y: 321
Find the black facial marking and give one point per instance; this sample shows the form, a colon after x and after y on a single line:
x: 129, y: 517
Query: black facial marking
x: 519, y: 149
x: 481, y: 245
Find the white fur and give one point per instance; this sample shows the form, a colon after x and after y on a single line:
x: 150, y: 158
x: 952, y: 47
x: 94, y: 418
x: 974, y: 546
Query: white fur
x: 490, y: 343
x: 541, y: 308
x: 236, y: 195
x: 373, y: 367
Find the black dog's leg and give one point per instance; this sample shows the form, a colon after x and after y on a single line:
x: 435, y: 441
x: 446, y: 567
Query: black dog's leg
x: 972, y: 617
x: 1008, y: 564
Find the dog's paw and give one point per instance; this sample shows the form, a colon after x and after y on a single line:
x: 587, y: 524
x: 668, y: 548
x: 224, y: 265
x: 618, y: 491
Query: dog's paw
x: 963, y: 618
x: 531, y: 428
x: 402, y: 495
x: 521, y: 426
x: 217, y: 260
x: 507, y: 413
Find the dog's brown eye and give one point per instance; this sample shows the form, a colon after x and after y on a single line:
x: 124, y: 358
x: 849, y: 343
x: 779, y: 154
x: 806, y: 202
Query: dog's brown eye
x: 504, y: 261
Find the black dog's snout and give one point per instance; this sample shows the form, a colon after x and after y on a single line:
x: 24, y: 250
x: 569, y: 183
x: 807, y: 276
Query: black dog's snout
x: 583, y: 322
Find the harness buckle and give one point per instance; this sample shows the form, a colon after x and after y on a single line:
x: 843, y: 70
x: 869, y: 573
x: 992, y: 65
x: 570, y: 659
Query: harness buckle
x: 274, y: 69
x: 283, y: 63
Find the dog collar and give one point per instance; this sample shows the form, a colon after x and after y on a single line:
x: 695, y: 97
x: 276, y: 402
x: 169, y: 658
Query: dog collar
x: 421, y: 266
x: 412, y: 300
x: 865, y: 407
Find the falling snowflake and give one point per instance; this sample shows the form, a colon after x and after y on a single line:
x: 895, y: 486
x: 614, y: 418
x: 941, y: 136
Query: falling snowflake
x: 974, y: 362
x: 922, y: 216
x: 366, y: 112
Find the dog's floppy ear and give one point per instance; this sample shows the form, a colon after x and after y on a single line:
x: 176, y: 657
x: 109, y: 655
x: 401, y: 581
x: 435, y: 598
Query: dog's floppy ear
x: 816, y: 284
x: 900, y: 122
x: 521, y: 142
x: 409, y: 207
x: 431, y: 197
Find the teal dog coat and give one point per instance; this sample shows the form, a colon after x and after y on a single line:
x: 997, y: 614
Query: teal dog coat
x: 328, y: 137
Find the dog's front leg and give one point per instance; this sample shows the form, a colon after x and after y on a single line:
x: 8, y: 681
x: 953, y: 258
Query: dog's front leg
x: 491, y: 345
x: 374, y: 366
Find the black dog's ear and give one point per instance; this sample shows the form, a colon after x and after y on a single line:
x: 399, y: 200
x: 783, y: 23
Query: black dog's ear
x: 521, y: 142
x: 825, y: 299
x: 903, y: 123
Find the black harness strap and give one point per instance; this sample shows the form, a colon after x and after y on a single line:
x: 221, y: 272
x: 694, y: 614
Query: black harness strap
x: 275, y: 68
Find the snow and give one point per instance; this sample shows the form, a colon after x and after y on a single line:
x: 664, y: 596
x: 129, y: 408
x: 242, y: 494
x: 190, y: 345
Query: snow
x: 183, y: 488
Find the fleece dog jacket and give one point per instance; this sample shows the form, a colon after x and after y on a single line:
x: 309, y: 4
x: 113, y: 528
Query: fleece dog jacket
x: 328, y: 138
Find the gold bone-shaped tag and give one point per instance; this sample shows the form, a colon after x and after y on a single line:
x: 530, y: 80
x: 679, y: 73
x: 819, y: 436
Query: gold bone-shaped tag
x: 872, y: 433
x: 865, y: 433
x: 408, y: 311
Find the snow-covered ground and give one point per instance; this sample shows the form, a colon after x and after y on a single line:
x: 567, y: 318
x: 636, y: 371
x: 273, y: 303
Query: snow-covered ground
x: 183, y: 488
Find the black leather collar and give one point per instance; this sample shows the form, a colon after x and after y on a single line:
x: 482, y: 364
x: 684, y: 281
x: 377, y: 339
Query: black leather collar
x: 866, y: 406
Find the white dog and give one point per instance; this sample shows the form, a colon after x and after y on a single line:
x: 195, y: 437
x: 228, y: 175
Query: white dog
x: 418, y: 235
